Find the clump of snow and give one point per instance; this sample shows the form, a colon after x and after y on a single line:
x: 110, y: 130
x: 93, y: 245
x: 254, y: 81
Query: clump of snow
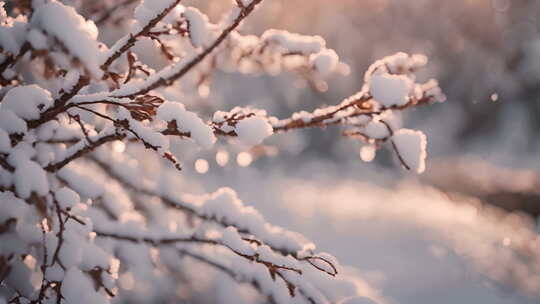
x: 246, y: 2
x: 11, y: 123
x: 390, y: 90
x: 73, y: 31
x: 225, y: 206
x: 144, y: 132
x: 148, y: 10
x: 411, y: 145
x: 37, y: 39
x: 376, y: 129
x: 67, y: 198
x: 27, y: 102
x: 187, y: 121
x: 367, y: 153
x: 294, y: 42
x: 30, y: 178
x: 71, y: 251
x: 232, y: 239
x: 198, y: 26
x: 325, y: 61
x: 253, y: 130
x: 13, y: 36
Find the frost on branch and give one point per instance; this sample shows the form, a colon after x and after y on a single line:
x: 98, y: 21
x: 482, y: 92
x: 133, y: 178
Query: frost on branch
x: 90, y: 206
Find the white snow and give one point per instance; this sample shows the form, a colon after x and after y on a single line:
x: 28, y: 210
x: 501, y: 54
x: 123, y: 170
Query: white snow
x: 76, y: 34
x: 37, y: 39
x: 143, y: 131
x: 13, y: 36
x: 390, y: 90
x: 67, y: 198
x: 367, y: 153
x: 411, y: 145
x: 30, y: 178
x: 27, y: 102
x: 11, y: 123
x: 187, y: 121
x: 325, y: 61
x: 232, y: 239
x: 253, y: 130
x: 199, y: 27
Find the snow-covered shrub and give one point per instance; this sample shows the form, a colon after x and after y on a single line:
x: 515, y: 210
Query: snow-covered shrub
x: 81, y: 222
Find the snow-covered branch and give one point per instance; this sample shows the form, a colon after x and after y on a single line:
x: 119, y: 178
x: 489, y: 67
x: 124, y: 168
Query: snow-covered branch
x: 80, y: 218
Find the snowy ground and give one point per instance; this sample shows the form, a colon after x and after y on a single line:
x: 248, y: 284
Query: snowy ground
x: 411, y: 243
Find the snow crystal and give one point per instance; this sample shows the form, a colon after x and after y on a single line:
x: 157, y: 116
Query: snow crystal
x: 187, y: 121
x: 253, y: 130
x: 12, y: 37
x: 77, y: 288
x: 411, y: 145
x: 27, y: 102
x: 246, y: 2
x: 390, y: 90
x: 11, y: 207
x: 144, y: 132
x: 76, y: 34
x: 198, y: 26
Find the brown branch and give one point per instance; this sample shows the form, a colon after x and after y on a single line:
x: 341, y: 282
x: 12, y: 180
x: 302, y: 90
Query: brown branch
x: 156, y: 242
x: 274, y: 269
x: 394, y: 146
x: 4, y: 164
x: 89, y: 147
